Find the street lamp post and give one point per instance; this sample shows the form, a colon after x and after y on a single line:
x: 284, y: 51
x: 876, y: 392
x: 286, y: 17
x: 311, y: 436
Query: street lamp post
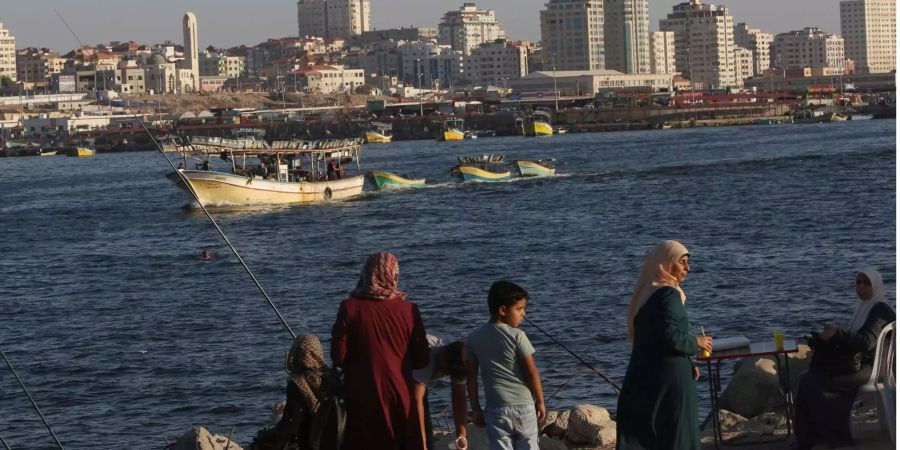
x: 419, y: 74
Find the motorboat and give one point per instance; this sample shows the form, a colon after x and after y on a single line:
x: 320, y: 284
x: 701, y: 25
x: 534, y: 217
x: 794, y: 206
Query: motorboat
x: 452, y: 130
x: 387, y: 180
x: 485, y: 168
x: 540, y: 168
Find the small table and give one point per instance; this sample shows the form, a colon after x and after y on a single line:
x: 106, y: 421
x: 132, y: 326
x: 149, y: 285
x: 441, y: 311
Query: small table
x: 754, y: 349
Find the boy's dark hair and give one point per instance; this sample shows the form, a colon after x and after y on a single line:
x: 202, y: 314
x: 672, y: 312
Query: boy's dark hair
x: 504, y: 293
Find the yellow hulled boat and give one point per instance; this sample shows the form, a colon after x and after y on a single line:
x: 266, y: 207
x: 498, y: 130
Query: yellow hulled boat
x: 288, y: 172
x: 538, y: 125
x: 82, y: 152
x: 374, y: 137
x: 452, y: 130
x: 384, y: 180
x: 470, y: 173
x: 534, y: 168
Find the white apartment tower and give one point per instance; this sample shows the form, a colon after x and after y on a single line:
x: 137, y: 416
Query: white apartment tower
x: 496, y: 63
x: 662, y: 52
x: 333, y: 18
x: 869, y: 30
x: 743, y: 64
x: 626, y: 27
x: 191, y: 50
x: 757, y: 42
x: 468, y: 28
x: 7, y: 54
x: 809, y: 47
x: 572, y: 35
x: 704, y: 42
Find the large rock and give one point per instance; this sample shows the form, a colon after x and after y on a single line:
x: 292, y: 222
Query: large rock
x: 589, y: 424
x: 730, y: 422
x: 277, y: 412
x: 754, y: 389
x: 557, y: 423
x: 199, y: 438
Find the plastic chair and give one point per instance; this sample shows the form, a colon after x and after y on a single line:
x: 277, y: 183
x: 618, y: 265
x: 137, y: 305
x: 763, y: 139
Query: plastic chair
x: 880, y: 388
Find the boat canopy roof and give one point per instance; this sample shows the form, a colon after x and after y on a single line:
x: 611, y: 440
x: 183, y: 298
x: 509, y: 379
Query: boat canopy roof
x: 491, y: 158
x: 214, y: 145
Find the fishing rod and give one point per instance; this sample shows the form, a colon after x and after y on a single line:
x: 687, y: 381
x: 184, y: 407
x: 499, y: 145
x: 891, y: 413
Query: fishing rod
x: 25, y: 390
x: 184, y: 180
x: 589, y: 366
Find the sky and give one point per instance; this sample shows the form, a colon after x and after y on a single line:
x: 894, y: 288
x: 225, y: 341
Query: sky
x: 226, y: 23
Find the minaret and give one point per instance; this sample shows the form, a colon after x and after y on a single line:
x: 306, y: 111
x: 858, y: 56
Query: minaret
x: 191, y: 47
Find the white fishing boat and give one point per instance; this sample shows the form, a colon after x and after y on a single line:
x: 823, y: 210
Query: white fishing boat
x: 285, y: 172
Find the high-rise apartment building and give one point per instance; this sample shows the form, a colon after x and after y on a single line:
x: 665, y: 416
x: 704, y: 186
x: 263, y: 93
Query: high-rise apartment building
x: 869, y: 30
x: 704, y: 43
x: 743, y: 64
x: 468, y: 28
x: 662, y: 52
x: 757, y: 42
x: 809, y: 47
x: 496, y: 63
x: 7, y: 54
x: 333, y: 18
x: 37, y: 66
x: 572, y: 35
x: 626, y: 28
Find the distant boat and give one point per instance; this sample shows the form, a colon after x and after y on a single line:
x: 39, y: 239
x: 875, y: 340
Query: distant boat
x: 476, y: 168
x: 81, y: 152
x: 535, y: 168
x: 374, y: 137
x: 485, y: 133
x: 537, y: 125
x: 817, y: 116
x: 386, y: 180
x: 860, y: 117
x: 452, y: 130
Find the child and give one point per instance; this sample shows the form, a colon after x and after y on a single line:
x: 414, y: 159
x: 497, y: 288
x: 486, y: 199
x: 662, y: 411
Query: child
x: 446, y: 360
x: 512, y: 384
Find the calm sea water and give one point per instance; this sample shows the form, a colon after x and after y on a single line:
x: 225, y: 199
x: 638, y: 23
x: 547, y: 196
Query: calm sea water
x: 124, y: 337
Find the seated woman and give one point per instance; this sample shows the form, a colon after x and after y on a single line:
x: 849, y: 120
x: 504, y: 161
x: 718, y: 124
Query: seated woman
x: 305, y: 365
x: 826, y: 393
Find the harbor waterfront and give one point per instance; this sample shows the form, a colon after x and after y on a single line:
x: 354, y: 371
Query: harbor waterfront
x: 125, y: 337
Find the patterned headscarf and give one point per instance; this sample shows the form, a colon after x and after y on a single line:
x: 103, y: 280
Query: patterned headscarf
x: 378, y: 279
x: 655, y: 275
x: 305, y: 365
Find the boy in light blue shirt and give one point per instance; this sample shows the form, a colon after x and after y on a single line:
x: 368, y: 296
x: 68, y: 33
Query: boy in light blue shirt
x: 512, y: 385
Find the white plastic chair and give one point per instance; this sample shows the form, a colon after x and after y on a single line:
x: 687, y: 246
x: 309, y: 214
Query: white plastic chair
x: 880, y: 388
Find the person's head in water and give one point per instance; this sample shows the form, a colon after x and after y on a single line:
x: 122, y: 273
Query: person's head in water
x: 205, y: 255
x: 507, y: 302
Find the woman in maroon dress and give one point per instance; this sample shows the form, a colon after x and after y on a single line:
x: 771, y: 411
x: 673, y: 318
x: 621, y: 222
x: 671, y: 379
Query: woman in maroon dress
x: 378, y: 338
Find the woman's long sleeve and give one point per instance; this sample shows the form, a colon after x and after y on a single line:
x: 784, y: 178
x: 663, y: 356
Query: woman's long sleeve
x: 866, y: 338
x: 674, y: 334
x: 339, y: 337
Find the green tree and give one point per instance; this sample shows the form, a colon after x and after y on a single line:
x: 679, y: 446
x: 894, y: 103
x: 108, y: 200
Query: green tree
x: 6, y: 82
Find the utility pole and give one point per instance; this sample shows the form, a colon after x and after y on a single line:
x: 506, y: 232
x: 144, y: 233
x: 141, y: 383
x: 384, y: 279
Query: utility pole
x: 555, y: 90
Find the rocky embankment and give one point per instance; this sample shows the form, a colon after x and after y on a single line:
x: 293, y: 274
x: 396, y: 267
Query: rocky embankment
x: 752, y: 409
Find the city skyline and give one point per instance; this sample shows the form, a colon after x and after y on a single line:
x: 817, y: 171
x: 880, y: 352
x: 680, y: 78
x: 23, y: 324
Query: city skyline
x: 227, y: 23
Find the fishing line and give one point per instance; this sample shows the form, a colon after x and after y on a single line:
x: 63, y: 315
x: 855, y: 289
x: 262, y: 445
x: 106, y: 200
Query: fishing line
x: 589, y: 366
x: 5, y: 444
x: 22, y: 385
x: 184, y: 180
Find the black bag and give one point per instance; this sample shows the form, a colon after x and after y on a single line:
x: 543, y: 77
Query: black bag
x: 834, y: 358
x: 330, y: 420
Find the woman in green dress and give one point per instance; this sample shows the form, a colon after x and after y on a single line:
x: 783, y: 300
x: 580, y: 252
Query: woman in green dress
x: 658, y: 403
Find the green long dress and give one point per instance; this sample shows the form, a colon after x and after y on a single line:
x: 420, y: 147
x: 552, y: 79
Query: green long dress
x: 658, y: 404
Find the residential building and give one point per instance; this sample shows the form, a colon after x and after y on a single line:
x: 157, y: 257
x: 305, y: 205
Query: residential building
x: 333, y: 18
x: 662, y: 52
x: 757, y: 42
x: 131, y: 80
x: 572, y: 35
x: 63, y: 126
x: 704, y: 43
x: 626, y: 28
x: 496, y: 63
x: 429, y: 65
x: 369, y: 38
x: 219, y: 64
x: 327, y: 79
x: 590, y: 82
x: 743, y: 65
x: 468, y: 28
x: 382, y: 58
x: 869, y: 30
x: 809, y: 47
x: 7, y: 54
x: 37, y: 66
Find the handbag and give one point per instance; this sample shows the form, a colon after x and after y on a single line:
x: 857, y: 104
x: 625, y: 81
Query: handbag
x: 834, y: 358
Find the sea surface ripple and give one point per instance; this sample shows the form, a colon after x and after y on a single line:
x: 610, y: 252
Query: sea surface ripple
x: 125, y: 338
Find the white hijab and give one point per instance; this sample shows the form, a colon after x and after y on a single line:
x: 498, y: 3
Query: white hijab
x: 865, y: 305
x: 655, y: 275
